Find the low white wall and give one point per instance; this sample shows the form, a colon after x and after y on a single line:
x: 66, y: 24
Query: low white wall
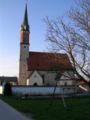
x: 23, y: 90
x: 1, y: 89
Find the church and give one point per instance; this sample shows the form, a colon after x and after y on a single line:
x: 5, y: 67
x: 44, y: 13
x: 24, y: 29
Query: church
x: 41, y: 68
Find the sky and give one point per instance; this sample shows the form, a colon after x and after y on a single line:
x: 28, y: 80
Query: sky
x: 11, y: 18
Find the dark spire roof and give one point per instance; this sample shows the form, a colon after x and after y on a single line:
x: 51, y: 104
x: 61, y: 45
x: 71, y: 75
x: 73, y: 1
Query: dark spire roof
x: 25, y: 25
x: 25, y: 21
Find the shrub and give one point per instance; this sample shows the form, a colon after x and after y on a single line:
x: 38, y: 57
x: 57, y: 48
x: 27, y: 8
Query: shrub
x: 7, y: 89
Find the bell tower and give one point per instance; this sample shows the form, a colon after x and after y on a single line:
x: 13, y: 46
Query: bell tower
x: 24, y: 49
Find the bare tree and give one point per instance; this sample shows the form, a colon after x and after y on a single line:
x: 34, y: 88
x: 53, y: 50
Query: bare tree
x: 73, y: 38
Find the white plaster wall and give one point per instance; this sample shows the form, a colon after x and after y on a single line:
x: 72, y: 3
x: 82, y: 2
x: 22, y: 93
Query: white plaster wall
x: 65, y: 78
x: 35, y: 78
x: 51, y: 75
x: 1, y: 89
x: 30, y: 90
x: 49, y: 78
x: 65, y: 82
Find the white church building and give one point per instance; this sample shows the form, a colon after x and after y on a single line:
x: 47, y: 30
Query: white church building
x: 41, y: 68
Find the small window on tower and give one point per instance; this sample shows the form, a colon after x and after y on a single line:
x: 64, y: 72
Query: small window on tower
x: 24, y: 46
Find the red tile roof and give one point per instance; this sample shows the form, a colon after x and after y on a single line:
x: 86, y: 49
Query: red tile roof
x: 48, y: 61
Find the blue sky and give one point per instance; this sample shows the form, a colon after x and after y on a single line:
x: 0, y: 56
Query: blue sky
x: 11, y: 18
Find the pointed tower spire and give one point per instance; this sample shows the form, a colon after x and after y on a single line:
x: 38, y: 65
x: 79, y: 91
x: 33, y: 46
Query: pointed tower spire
x: 25, y: 21
x: 25, y: 25
x: 24, y: 34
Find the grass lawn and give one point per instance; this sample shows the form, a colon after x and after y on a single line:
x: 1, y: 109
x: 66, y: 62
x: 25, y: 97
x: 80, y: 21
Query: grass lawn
x: 78, y: 108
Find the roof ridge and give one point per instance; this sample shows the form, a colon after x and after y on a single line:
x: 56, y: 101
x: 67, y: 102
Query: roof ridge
x: 47, y: 53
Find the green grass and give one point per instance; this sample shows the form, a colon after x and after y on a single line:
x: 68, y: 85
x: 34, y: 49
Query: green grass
x: 78, y: 108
